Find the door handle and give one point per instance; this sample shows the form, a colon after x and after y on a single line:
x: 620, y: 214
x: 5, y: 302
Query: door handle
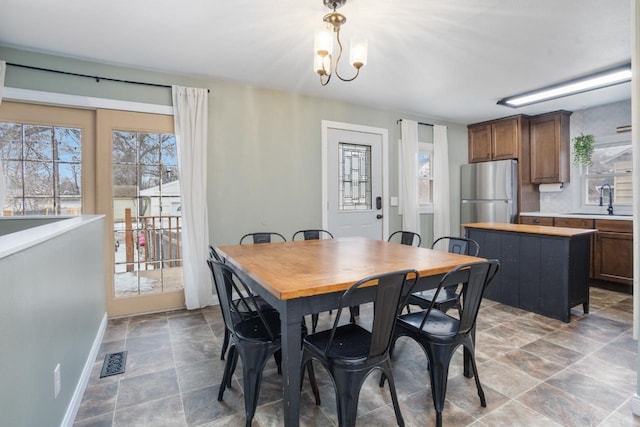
x: 379, y: 216
x: 378, y: 203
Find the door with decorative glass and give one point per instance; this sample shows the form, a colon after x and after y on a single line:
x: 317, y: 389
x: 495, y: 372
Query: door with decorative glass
x: 139, y: 192
x: 355, y: 201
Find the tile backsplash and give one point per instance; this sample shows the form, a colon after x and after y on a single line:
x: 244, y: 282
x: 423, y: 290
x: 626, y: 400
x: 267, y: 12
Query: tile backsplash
x: 600, y: 121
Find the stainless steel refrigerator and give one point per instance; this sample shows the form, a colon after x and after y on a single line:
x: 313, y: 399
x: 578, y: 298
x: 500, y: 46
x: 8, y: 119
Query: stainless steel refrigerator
x: 489, y: 192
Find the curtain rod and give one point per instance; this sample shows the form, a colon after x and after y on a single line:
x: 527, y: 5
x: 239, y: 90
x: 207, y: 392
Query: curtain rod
x: 420, y: 123
x: 97, y: 78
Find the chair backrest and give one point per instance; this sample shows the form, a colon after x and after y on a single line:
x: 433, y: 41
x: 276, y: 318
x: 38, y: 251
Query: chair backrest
x: 406, y: 237
x: 226, y: 281
x: 214, y: 254
x: 475, y: 277
x: 313, y: 234
x: 457, y: 245
x: 262, y: 237
x: 391, y: 291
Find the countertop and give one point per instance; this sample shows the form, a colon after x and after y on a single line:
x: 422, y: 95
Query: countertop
x: 578, y: 215
x: 531, y: 229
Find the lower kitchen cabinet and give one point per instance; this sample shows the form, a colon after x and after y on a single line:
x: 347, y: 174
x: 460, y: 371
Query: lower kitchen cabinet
x: 613, y: 251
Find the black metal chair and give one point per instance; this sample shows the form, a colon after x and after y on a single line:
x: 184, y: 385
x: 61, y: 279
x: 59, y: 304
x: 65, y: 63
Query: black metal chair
x: 254, y: 338
x: 350, y: 352
x: 312, y: 234
x: 440, y: 334
x: 241, y: 302
x: 449, y: 297
x: 405, y: 237
x: 262, y: 237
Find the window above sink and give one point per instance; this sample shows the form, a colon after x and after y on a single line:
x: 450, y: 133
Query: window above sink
x: 608, y: 176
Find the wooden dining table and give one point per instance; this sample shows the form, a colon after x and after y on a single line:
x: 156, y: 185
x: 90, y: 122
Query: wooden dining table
x: 306, y: 277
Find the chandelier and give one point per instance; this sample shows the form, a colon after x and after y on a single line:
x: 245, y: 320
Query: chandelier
x: 323, y: 46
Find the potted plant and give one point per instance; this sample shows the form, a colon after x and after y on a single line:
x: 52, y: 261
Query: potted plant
x: 583, y: 149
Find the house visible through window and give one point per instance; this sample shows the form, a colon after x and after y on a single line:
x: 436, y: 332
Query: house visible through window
x: 610, y: 164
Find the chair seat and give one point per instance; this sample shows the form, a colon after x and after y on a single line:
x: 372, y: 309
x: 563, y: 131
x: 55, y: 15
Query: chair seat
x: 253, y: 328
x: 445, y: 295
x: 262, y: 305
x: 439, y: 326
x: 350, y: 344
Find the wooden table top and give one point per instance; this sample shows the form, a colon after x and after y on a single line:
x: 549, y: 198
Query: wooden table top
x: 531, y: 229
x: 311, y: 267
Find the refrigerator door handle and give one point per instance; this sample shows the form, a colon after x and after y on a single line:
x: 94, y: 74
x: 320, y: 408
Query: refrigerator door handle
x: 507, y: 182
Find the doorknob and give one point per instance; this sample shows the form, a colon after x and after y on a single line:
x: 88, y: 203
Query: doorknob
x: 379, y: 216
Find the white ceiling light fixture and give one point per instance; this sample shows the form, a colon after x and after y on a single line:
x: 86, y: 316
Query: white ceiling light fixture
x: 610, y: 77
x: 323, y: 46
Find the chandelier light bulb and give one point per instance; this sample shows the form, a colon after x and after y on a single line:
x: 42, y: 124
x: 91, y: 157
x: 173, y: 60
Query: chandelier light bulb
x: 358, y: 52
x: 323, y: 43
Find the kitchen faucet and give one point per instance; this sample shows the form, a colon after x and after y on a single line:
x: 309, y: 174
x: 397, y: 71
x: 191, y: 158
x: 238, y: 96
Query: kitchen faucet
x: 610, y: 208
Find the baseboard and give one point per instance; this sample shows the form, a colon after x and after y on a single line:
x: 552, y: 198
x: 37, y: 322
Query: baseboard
x: 635, y: 404
x: 76, y: 399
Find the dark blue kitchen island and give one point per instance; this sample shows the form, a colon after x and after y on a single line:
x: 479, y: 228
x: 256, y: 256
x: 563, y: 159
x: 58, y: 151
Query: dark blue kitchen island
x: 543, y: 269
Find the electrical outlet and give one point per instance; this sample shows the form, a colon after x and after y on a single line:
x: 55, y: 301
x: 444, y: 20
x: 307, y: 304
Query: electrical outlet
x: 56, y: 381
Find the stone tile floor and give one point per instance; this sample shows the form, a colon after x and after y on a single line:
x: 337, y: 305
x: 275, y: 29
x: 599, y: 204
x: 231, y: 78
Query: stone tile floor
x: 535, y: 371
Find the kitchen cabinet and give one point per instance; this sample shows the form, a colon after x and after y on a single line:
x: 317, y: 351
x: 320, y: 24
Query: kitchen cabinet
x: 497, y: 139
x: 573, y: 222
x: 613, y: 251
x: 550, y: 147
x: 536, y: 220
x: 612, y: 246
x: 502, y: 139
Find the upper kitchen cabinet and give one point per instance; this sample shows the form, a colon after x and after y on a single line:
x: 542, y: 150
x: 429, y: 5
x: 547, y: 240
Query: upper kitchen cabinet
x: 549, y: 139
x: 496, y: 140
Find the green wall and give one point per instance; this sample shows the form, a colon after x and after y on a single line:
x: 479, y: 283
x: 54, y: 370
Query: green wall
x: 51, y: 310
x: 264, y: 154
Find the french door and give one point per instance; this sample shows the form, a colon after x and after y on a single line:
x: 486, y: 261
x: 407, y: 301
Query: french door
x: 139, y: 193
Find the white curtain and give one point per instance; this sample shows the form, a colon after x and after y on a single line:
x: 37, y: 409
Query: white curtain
x: 441, y: 188
x: 190, y: 110
x: 410, y: 206
x: 3, y: 68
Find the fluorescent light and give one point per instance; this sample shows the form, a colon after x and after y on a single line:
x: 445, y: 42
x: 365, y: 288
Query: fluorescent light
x: 599, y: 80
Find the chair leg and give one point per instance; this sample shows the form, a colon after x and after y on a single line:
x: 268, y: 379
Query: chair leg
x: 313, y: 382
x: 253, y: 360
x: 439, y: 359
x: 228, y: 372
x: 392, y: 388
x: 483, y: 401
x: 314, y: 322
x: 383, y: 377
x: 225, y: 344
x: 354, y: 312
x: 277, y: 356
x: 348, y: 385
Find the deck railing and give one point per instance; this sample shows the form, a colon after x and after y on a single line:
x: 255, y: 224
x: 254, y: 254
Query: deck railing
x: 156, y: 238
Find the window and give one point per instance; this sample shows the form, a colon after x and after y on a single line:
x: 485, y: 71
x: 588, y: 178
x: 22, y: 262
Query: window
x: 354, y: 177
x: 42, y: 150
x: 425, y: 176
x: 610, y: 164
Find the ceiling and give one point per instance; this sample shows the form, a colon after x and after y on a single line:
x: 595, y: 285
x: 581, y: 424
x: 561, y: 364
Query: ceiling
x: 450, y: 60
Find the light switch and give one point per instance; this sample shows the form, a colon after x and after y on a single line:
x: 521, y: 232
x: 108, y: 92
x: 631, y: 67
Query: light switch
x: 393, y: 201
